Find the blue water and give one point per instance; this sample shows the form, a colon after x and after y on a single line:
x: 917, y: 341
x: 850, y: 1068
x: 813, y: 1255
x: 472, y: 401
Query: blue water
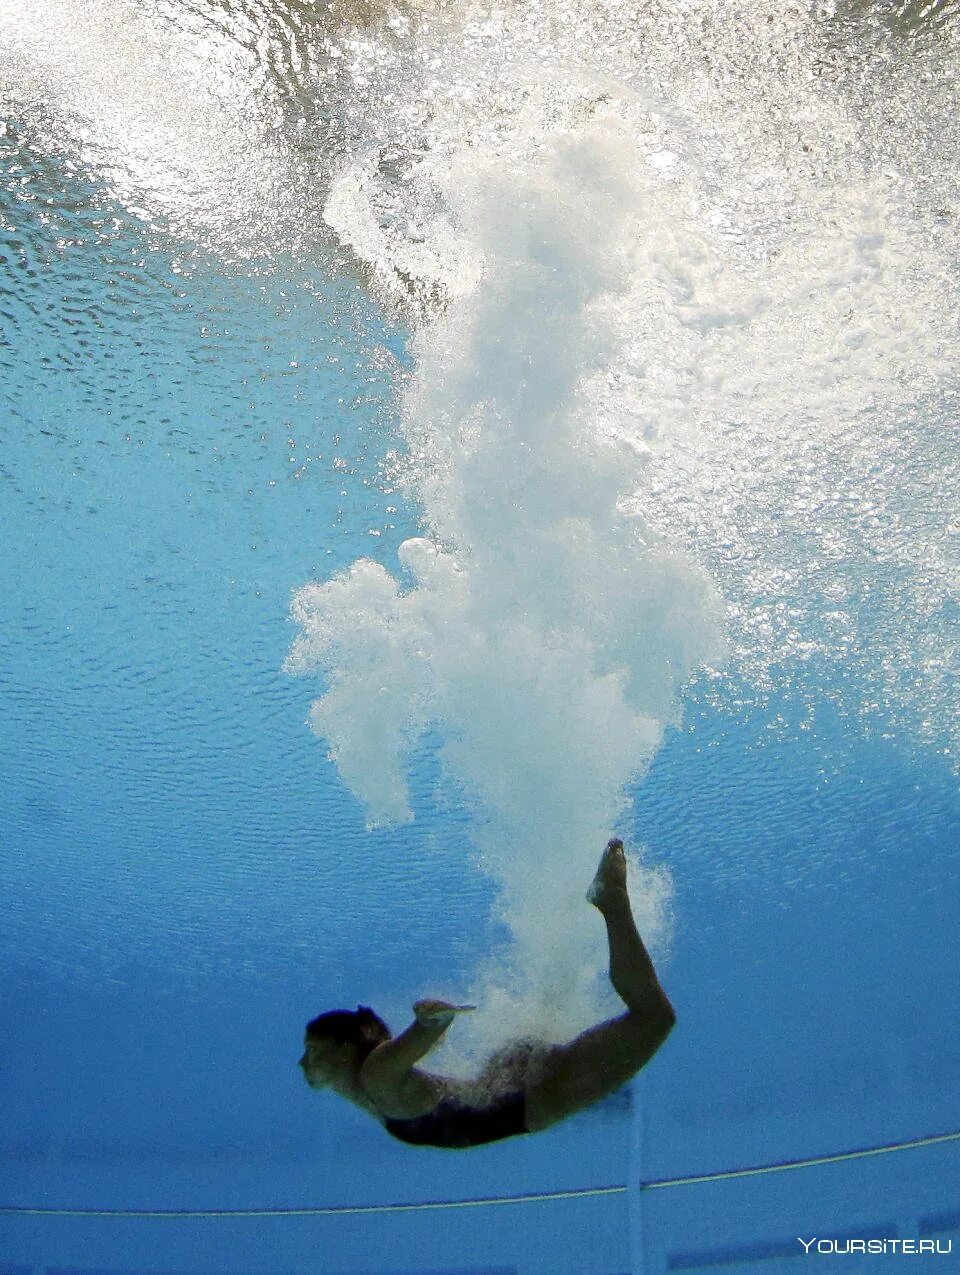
x: 185, y: 878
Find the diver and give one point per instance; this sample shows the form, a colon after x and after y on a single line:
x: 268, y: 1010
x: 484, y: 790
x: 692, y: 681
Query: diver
x: 526, y: 1086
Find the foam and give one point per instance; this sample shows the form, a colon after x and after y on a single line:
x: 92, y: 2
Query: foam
x: 688, y: 318
x: 540, y: 631
x: 787, y: 317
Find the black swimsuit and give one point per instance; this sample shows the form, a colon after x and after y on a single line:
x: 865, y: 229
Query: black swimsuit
x: 453, y: 1123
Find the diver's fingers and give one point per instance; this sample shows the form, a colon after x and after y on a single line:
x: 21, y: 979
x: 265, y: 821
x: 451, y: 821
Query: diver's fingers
x: 430, y: 1004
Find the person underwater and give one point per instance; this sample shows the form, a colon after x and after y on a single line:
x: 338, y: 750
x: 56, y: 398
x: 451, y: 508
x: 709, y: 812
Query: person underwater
x: 525, y: 1087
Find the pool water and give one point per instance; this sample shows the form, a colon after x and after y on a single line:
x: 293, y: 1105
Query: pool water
x: 585, y: 382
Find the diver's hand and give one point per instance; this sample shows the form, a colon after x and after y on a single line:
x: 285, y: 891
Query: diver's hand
x: 434, y: 1013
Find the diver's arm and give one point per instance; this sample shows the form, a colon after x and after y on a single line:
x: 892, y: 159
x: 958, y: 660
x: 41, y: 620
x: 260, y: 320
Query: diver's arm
x: 399, y: 1054
x: 388, y: 1073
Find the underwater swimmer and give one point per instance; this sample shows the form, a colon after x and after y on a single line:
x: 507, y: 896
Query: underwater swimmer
x: 525, y: 1087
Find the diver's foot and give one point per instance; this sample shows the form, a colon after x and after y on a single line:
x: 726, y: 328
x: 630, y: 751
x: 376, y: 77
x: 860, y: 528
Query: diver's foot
x: 611, y: 879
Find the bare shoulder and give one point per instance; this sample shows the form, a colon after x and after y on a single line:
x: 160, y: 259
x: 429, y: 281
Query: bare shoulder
x: 405, y: 1097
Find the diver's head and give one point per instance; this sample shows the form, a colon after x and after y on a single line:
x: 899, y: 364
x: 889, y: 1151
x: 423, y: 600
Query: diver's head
x: 337, y: 1043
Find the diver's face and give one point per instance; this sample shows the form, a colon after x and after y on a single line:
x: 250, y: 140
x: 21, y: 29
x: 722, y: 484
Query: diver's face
x: 324, y: 1061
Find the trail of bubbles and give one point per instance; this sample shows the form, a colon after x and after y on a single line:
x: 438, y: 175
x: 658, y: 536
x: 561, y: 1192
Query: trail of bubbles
x: 542, y: 632
x: 790, y: 311
x: 688, y: 274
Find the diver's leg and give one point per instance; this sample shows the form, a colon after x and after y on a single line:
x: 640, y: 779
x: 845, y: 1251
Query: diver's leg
x: 631, y: 971
x: 575, y: 1075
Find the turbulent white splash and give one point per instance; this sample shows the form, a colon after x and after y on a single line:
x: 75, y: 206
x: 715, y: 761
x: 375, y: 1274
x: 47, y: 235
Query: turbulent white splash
x: 540, y: 630
x: 789, y: 312
x: 714, y: 322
